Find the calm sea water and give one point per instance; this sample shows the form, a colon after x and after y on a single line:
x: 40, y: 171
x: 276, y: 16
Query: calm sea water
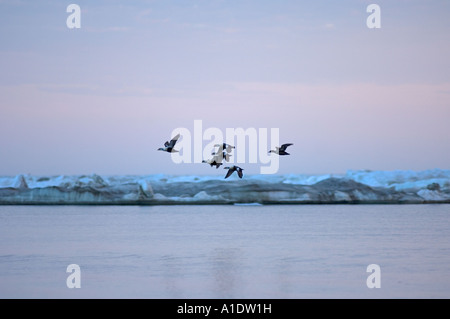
x: 317, y: 251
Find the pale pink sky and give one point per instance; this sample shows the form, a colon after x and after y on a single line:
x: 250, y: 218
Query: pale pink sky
x: 103, y: 98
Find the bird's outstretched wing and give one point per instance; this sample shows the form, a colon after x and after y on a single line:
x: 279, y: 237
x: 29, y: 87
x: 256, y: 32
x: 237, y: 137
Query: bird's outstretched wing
x: 173, y: 141
x: 220, y: 148
x: 230, y: 171
x: 227, y: 147
x: 227, y: 157
x: 239, y: 171
x: 284, y: 146
x: 224, y: 147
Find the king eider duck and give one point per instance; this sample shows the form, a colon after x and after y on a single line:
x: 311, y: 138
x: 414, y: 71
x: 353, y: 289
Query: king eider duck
x: 169, y: 146
x: 221, y: 156
x: 281, y: 150
x: 215, y: 161
x: 224, y: 147
x: 232, y: 169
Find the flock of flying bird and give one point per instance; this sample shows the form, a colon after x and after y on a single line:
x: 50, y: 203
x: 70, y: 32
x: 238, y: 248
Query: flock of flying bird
x: 221, y: 154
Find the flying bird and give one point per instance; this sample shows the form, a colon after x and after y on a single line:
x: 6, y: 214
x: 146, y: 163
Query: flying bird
x: 169, y: 146
x: 224, y: 146
x: 281, y: 150
x: 223, y: 149
x: 215, y: 161
x: 221, y: 156
x: 232, y: 169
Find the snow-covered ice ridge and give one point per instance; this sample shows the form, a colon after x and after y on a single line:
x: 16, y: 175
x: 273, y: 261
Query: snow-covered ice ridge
x: 356, y: 187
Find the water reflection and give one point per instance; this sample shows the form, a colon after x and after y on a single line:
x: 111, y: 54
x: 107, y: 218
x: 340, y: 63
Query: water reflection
x: 226, y: 264
x: 172, y: 271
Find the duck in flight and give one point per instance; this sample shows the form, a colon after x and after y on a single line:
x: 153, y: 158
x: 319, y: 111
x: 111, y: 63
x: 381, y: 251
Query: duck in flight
x: 215, y: 161
x: 223, y: 149
x: 224, y: 146
x: 221, y: 156
x: 281, y: 150
x: 169, y: 146
x: 232, y: 169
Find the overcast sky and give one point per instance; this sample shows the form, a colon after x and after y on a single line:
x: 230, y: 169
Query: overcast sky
x: 102, y: 98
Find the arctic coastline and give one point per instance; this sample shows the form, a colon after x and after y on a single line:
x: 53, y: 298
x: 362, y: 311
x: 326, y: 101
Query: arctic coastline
x: 354, y: 187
